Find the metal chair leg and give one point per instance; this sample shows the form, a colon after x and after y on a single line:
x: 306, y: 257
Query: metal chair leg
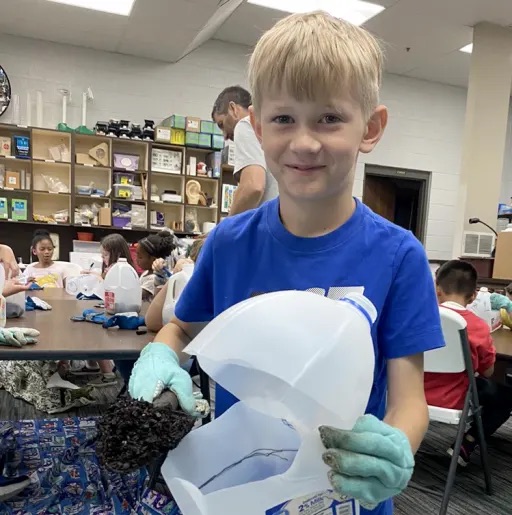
x: 484, y: 456
x: 452, y: 471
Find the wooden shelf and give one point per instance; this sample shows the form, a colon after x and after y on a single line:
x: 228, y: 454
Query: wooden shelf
x: 42, y: 202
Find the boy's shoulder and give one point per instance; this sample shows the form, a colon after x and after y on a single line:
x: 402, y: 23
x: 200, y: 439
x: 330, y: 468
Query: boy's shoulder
x: 240, y: 226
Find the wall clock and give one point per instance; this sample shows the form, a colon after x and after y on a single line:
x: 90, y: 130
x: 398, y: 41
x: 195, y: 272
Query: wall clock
x: 5, y: 91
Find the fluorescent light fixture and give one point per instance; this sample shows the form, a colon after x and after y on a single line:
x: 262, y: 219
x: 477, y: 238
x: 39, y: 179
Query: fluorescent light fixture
x: 468, y: 49
x: 121, y: 7
x: 354, y: 11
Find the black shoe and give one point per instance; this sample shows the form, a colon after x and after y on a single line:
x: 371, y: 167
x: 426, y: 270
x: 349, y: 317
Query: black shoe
x: 466, y: 450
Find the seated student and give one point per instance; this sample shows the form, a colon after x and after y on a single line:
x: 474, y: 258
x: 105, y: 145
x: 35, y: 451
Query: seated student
x: 153, y: 250
x: 46, y: 273
x: 155, y: 316
x: 456, y: 283
x: 113, y: 247
x: 8, y: 261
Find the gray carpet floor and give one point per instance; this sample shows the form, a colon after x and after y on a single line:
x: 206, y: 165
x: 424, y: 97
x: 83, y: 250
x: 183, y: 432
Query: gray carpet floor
x: 468, y: 495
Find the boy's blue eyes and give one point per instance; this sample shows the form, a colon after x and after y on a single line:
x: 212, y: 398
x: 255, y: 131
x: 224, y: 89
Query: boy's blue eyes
x: 327, y: 119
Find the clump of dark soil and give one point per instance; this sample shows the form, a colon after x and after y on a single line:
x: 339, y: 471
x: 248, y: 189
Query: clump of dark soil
x: 132, y: 434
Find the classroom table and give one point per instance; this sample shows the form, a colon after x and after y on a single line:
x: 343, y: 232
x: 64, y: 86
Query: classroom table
x: 61, y: 338
x: 503, y: 342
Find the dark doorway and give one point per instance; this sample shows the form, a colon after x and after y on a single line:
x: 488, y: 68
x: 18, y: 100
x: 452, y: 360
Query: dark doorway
x: 400, y: 196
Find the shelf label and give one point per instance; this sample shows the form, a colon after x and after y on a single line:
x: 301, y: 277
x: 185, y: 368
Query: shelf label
x: 49, y: 160
x: 89, y: 165
x: 22, y: 126
x: 10, y: 157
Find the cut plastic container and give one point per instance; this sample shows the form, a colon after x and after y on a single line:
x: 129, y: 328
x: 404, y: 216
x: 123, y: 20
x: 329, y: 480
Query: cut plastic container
x: 296, y: 360
x: 86, y: 284
x: 175, y: 286
x: 123, y: 292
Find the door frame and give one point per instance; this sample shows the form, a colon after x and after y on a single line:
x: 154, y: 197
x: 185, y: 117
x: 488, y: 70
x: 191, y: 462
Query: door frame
x: 421, y: 176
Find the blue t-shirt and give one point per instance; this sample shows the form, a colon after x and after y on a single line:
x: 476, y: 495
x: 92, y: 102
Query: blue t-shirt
x: 253, y: 253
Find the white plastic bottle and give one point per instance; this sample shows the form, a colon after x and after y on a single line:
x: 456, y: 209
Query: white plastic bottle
x: 123, y: 292
x: 296, y: 360
x: 3, y: 303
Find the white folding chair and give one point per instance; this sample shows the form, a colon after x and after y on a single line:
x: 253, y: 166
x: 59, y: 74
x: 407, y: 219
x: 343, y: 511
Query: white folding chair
x: 455, y: 357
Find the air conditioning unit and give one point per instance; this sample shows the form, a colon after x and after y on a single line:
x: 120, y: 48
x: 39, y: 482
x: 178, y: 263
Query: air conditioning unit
x: 477, y: 244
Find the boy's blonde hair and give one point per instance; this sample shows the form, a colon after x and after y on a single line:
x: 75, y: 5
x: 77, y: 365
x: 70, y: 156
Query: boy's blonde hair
x: 316, y: 55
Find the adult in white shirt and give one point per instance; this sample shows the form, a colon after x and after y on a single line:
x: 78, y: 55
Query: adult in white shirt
x: 255, y: 182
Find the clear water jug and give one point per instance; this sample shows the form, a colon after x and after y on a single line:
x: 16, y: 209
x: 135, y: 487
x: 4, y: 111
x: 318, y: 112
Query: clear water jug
x: 296, y: 360
x: 123, y: 292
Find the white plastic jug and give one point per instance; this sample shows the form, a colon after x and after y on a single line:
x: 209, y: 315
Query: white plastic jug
x: 481, y: 307
x: 3, y: 307
x: 297, y: 360
x: 123, y: 292
x: 175, y: 286
x: 86, y: 284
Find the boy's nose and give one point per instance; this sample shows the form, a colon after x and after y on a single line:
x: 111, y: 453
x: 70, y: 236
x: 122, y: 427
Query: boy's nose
x: 303, y: 141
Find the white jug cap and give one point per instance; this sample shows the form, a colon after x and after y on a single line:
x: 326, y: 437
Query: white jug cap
x: 294, y: 355
x: 122, y: 260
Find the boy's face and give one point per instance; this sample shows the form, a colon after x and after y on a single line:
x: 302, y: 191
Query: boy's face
x: 311, y: 147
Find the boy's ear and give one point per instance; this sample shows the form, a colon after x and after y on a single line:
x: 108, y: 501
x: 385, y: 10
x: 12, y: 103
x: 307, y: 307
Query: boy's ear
x: 374, y: 129
x: 255, y: 122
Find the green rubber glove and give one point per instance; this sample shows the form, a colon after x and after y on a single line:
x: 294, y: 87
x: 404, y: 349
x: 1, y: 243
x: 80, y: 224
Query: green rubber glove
x: 500, y: 301
x: 158, y: 368
x: 371, y: 463
x: 18, y: 336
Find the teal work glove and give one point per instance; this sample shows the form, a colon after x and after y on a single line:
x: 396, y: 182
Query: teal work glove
x: 500, y: 301
x: 157, y: 368
x: 371, y: 463
x: 18, y: 336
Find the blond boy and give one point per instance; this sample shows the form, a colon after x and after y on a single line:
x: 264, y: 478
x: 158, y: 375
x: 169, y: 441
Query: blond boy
x: 315, y: 83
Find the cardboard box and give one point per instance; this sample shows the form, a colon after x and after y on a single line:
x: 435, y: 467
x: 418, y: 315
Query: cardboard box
x: 163, y: 134
x: 5, y: 146
x: 214, y: 161
x: 207, y: 127
x: 193, y: 124
x: 192, y: 139
x: 217, y: 142
x: 175, y: 121
x: 177, y: 137
x: 228, y: 155
x: 19, y: 209
x: 205, y: 140
x: 104, y: 216
x: 502, y: 262
x: 12, y: 180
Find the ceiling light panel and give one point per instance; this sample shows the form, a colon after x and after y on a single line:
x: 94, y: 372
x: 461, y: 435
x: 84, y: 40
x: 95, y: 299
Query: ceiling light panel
x: 354, y: 11
x: 121, y: 7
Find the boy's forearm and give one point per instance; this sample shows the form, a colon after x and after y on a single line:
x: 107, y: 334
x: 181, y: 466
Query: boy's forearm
x: 176, y: 338
x: 411, y: 417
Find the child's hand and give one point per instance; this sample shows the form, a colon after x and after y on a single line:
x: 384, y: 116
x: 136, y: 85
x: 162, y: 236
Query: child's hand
x: 13, y: 286
x: 371, y: 463
x: 158, y: 265
x: 180, y: 264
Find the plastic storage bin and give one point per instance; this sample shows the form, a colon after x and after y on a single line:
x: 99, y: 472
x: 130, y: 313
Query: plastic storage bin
x: 294, y: 359
x: 123, y: 191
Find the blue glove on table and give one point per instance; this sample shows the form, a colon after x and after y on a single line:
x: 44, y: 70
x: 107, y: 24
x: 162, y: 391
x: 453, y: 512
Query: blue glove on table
x: 371, y: 463
x: 130, y: 321
x: 157, y: 368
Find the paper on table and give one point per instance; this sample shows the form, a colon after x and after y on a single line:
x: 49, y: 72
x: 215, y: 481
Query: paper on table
x: 57, y: 382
